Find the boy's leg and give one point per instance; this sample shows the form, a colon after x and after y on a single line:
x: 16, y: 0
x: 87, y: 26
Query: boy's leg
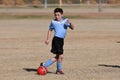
x: 59, y: 65
x: 49, y: 62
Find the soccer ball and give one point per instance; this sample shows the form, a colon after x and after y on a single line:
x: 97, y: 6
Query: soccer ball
x: 42, y: 70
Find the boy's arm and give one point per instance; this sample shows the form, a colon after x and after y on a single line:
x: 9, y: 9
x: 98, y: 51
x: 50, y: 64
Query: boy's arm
x: 71, y: 25
x: 47, y: 41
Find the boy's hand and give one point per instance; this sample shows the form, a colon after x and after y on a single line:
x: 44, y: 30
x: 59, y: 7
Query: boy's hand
x: 47, y: 42
x: 71, y: 25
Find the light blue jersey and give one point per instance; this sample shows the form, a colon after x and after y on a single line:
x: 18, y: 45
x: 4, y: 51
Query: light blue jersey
x: 59, y: 27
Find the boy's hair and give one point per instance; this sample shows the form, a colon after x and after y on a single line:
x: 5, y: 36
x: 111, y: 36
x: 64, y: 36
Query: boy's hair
x: 58, y: 10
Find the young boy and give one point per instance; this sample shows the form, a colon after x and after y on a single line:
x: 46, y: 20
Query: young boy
x: 59, y: 25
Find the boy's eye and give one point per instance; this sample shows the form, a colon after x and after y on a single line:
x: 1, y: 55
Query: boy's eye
x: 57, y: 15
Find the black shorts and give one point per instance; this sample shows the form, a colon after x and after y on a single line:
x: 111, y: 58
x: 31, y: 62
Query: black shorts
x: 57, y: 45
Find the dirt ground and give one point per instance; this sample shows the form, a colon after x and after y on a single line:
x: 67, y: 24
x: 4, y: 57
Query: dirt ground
x: 91, y: 50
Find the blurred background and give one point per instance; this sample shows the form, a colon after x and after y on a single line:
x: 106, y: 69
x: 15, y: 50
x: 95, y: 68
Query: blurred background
x: 38, y: 3
x: 72, y: 8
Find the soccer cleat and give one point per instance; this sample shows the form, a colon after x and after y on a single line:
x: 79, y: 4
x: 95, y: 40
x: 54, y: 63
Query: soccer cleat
x: 59, y: 72
x: 41, y: 64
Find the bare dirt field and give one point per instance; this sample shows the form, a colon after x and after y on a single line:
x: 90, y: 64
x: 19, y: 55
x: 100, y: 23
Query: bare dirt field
x: 92, y: 50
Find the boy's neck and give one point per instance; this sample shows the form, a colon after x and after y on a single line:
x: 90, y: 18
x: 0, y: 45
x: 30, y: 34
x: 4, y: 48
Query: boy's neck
x: 59, y: 20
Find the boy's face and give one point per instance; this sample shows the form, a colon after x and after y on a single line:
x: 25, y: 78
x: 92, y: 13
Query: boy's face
x: 58, y: 16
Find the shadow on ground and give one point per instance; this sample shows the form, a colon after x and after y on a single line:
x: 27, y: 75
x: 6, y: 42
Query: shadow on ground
x: 113, y: 66
x: 30, y: 69
x: 118, y: 41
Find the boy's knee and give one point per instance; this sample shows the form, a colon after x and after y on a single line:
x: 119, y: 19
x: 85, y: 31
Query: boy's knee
x: 59, y: 57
